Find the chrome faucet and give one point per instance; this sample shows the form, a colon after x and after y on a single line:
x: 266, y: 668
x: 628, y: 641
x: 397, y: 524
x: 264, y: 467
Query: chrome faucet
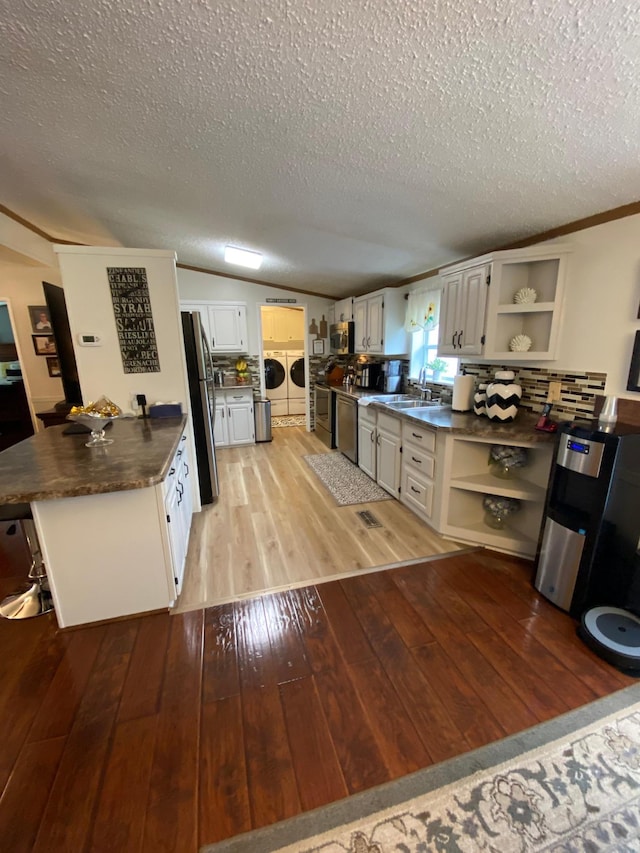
x: 425, y: 393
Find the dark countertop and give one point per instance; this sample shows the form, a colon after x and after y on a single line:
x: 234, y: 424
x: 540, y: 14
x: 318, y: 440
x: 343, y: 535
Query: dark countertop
x: 52, y: 465
x: 443, y: 418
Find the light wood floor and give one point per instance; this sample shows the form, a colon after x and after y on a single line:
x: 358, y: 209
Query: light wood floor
x: 275, y: 526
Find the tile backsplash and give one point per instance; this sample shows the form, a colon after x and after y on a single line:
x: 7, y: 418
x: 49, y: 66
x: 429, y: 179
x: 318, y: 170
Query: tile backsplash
x: 577, y: 395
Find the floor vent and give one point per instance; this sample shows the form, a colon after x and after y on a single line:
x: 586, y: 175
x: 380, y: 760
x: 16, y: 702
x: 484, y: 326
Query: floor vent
x: 368, y: 518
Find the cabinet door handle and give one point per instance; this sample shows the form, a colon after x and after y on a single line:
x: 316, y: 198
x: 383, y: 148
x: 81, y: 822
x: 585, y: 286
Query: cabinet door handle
x: 460, y: 334
x: 415, y: 435
x: 172, y: 471
x: 417, y: 491
x: 186, y: 470
x: 184, y: 438
x: 453, y: 340
x: 364, y: 342
x: 419, y: 461
x: 372, y: 438
x: 179, y: 453
x: 378, y: 441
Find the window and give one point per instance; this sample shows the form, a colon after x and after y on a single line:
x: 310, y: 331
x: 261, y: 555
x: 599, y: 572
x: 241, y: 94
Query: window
x: 424, y: 349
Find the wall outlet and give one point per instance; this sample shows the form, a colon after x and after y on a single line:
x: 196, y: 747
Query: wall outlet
x: 555, y: 389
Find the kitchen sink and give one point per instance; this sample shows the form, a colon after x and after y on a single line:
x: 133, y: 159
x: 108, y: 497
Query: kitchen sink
x: 400, y: 405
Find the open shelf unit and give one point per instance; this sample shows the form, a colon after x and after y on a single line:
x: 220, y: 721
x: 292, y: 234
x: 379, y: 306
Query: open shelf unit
x: 468, y: 479
x: 544, y: 270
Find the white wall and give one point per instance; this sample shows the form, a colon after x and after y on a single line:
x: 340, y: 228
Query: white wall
x: 88, y: 297
x: 203, y: 286
x: 601, y: 303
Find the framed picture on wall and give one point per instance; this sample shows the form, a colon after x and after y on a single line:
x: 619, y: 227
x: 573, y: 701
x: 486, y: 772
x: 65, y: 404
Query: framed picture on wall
x: 318, y: 347
x: 44, y: 344
x: 53, y: 366
x: 40, y: 320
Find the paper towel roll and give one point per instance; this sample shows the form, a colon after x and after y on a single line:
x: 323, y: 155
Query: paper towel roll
x: 462, y: 400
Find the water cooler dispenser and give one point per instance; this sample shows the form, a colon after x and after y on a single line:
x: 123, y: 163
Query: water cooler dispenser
x: 589, y: 547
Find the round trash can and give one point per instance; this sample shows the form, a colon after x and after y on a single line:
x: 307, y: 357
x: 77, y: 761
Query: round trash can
x: 262, y: 415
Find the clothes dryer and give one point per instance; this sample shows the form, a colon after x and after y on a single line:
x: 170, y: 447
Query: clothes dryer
x: 297, y: 382
x: 276, y: 381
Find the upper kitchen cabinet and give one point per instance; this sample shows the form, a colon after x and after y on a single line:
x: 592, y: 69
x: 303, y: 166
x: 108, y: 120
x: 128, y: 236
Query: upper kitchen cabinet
x: 379, y: 323
x: 504, y: 306
x: 343, y: 310
x: 225, y: 324
x: 228, y: 326
x: 464, y: 296
x: 281, y: 325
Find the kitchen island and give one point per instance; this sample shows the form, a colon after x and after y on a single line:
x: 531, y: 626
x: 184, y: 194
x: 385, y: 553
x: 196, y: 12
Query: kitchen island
x: 101, y: 514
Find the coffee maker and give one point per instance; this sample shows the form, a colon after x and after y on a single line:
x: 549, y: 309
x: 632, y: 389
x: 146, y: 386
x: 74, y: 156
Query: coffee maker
x: 367, y: 374
x: 390, y: 378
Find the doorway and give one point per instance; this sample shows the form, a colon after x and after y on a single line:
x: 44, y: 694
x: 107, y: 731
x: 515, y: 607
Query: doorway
x: 282, y: 335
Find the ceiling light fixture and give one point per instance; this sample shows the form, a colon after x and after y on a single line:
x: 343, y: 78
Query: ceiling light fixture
x: 242, y: 257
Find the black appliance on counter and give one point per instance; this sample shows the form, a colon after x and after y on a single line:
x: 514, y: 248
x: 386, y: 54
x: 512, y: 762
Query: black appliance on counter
x: 588, y: 552
x: 202, y: 403
x: 325, y: 411
x: 368, y: 375
x: 342, y: 338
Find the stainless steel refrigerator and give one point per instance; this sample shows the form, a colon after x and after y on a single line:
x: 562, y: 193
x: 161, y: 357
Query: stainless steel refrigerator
x: 203, y: 403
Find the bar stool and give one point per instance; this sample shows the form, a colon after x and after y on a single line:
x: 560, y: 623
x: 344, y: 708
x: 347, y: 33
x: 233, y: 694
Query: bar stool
x: 35, y: 598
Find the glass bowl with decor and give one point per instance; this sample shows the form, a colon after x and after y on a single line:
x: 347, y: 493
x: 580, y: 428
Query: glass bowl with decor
x: 95, y: 416
x: 497, y: 509
x: 506, y: 461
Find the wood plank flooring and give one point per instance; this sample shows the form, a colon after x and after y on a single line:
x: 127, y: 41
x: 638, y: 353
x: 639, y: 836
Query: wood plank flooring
x: 275, y: 526
x: 165, y: 732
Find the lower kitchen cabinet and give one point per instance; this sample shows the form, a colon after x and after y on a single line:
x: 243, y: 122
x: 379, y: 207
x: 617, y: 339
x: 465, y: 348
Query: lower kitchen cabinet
x: 420, y: 488
x: 367, y: 447
x: 467, y: 479
x: 234, y: 423
x: 388, y: 453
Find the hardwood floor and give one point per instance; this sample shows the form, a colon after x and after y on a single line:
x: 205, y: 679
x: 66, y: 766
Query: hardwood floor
x: 165, y: 732
x: 275, y: 526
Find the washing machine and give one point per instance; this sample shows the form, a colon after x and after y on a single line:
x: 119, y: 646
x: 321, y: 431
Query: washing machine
x: 297, y: 382
x: 276, y: 381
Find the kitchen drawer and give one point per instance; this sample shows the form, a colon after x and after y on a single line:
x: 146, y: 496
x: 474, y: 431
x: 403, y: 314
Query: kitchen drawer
x: 237, y: 396
x: 419, y: 460
x: 416, y: 492
x: 420, y: 436
x: 389, y: 424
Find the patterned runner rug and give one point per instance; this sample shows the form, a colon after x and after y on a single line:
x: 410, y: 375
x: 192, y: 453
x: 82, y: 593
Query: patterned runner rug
x: 571, y: 785
x: 288, y: 420
x: 346, y: 482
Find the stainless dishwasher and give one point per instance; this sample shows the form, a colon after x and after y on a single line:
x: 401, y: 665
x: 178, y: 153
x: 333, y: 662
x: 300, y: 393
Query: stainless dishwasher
x: 347, y: 427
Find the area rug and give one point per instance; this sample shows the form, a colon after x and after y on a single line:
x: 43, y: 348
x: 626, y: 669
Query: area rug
x: 571, y: 785
x: 346, y: 482
x: 288, y: 421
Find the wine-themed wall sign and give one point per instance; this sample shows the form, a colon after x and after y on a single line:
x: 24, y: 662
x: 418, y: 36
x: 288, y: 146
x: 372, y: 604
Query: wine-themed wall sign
x: 134, y: 321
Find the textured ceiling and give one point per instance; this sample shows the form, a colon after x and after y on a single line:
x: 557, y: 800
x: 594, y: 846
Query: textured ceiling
x: 353, y: 143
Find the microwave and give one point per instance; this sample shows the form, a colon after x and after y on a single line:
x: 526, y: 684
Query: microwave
x: 341, y: 338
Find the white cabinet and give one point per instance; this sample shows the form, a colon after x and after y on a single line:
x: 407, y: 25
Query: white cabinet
x: 203, y: 309
x: 282, y: 325
x: 227, y: 326
x: 462, y: 310
x: 234, y: 423
x: 343, y: 310
x: 379, y: 323
x: 178, y: 503
x: 388, y: 455
x: 367, y: 446
x: 225, y: 323
x: 419, y: 490
x: 478, y: 312
x: 467, y: 479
